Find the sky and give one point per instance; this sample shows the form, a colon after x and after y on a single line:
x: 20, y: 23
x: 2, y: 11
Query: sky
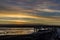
x: 29, y: 4
x: 31, y: 8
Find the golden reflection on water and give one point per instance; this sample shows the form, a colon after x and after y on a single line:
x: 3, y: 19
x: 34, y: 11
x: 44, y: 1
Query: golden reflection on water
x: 16, y: 31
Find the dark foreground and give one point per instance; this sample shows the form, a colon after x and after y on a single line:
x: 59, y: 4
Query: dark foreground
x: 39, y: 35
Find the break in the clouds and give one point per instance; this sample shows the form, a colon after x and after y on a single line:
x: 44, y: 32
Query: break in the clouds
x: 28, y: 7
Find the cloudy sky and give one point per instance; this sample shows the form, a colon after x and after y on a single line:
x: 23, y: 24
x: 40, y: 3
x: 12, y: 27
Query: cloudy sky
x: 16, y: 5
x: 31, y: 8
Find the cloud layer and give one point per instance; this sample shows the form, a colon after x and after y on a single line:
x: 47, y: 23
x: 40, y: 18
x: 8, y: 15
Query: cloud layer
x: 30, y: 8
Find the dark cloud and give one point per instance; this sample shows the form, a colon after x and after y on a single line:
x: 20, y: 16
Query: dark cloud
x: 28, y: 4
